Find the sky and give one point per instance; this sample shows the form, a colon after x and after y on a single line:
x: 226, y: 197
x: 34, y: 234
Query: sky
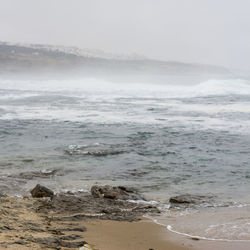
x: 201, y: 31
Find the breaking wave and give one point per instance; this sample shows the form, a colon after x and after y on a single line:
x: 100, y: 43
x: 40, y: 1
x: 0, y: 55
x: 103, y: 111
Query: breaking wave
x: 222, y: 87
x: 211, y: 87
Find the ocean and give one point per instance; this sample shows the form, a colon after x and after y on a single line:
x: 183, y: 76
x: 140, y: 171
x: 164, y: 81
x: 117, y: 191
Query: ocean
x: 164, y: 139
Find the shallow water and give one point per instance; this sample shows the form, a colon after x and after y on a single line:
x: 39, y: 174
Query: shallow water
x: 230, y: 223
x: 163, y: 139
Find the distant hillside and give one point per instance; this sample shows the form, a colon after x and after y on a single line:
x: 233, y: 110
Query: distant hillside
x: 45, y: 59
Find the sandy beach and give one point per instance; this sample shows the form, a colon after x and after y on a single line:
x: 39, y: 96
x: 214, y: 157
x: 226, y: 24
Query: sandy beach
x: 22, y: 227
x: 140, y: 235
x: 112, y: 235
x: 25, y: 225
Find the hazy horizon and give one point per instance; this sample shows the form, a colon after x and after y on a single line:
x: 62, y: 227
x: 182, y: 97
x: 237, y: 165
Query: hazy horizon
x: 208, y: 32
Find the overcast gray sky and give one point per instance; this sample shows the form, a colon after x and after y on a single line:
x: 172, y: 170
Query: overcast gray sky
x: 206, y: 31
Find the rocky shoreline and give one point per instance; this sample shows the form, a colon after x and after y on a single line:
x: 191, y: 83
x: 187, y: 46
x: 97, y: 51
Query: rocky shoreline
x: 106, y: 217
x: 46, y: 220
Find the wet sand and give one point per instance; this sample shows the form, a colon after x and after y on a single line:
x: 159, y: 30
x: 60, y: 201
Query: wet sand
x: 145, y: 235
x: 142, y: 235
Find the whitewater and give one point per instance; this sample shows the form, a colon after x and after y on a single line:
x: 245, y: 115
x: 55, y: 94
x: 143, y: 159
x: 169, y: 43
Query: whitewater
x: 165, y: 139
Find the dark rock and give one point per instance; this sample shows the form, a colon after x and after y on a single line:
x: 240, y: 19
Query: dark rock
x: 40, y: 191
x: 27, y: 160
x: 55, y: 242
x: 20, y: 242
x: 189, y: 200
x: 180, y: 199
x: 70, y: 237
x: 120, y: 192
x: 68, y: 229
x: 137, y: 173
x: 55, y: 231
x: 34, y: 174
x: 78, y: 208
x: 195, y: 238
x: 5, y: 227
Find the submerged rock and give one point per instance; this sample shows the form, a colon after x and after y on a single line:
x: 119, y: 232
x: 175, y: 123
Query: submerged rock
x: 120, y: 192
x: 40, y: 191
x: 189, y: 200
x: 34, y: 174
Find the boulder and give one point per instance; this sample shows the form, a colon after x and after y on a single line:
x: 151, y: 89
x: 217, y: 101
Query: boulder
x: 120, y: 192
x: 40, y: 191
x: 180, y: 199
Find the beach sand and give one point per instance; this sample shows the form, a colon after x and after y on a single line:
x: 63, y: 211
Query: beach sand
x: 142, y: 235
x: 145, y: 235
x: 22, y: 227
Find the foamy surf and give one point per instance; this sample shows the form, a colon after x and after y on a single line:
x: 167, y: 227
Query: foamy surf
x: 192, y: 236
x: 229, y: 224
x: 211, y: 87
x: 204, y: 106
x: 170, y: 228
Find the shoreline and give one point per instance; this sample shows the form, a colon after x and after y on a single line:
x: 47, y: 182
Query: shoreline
x: 23, y: 226
x: 86, y: 222
x: 146, y: 234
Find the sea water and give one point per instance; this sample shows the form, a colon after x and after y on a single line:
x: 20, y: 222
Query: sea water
x: 165, y: 140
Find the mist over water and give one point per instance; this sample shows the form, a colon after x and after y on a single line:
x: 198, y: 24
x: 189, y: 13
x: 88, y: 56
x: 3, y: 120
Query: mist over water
x: 165, y: 139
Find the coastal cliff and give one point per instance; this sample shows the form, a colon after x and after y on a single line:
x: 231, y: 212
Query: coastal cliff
x: 41, y: 59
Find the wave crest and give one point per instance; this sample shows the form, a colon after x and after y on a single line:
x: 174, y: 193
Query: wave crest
x: 222, y: 87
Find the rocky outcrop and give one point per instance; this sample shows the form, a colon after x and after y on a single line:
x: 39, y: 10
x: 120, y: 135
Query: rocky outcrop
x: 119, y: 193
x: 58, y: 223
x: 40, y: 191
x: 85, y: 206
x: 104, y: 202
